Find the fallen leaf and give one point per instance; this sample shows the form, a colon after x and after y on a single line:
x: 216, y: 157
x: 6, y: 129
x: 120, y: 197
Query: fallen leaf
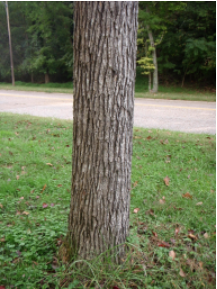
x: 17, y: 177
x: 23, y: 168
x: 22, y: 198
x: 150, y: 212
x: 11, y: 153
x: 44, y: 187
x: 59, y: 185
x: 206, y: 236
x: 1, y: 206
x: 187, y: 196
x: 136, y: 210
x: 2, y: 287
x: 44, y: 205
x: 173, y: 240
x: 200, y: 265
x: 149, y: 137
x: 162, y: 201
x: 172, y: 255
x: 167, y: 181
x: 154, y: 234
x: 49, y: 164
x: 135, y: 184
x: 166, y: 141
x: 18, y: 213
x: 2, y: 239
x: 182, y: 273
x: 199, y: 204
x: 25, y: 213
x: 163, y: 244
x: 177, y: 230
x: 16, y: 133
x: 192, y: 237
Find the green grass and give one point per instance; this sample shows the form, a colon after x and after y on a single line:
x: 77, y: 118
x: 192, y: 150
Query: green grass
x: 179, y: 216
x: 42, y: 87
x: 141, y: 90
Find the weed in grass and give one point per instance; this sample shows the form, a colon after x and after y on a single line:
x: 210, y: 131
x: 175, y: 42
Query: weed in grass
x: 172, y: 224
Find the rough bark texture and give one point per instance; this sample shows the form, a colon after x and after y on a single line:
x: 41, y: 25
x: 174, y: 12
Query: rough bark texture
x: 154, y: 55
x: 104, y: 76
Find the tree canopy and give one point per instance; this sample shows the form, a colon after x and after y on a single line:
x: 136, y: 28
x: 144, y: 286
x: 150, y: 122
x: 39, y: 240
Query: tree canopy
x: 184, y: 36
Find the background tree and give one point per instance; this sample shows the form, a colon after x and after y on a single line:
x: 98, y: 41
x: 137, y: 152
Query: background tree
x: 104, y: 76
x: 42, y: 40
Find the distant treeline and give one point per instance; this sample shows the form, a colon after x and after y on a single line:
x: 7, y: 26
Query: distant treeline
x: 177, y: 39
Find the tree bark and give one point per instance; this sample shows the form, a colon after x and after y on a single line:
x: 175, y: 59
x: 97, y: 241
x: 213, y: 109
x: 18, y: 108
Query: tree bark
x: 149, y: 81
x: 105, y: 36
x: 154, y: 55
x: 46, y: 78
x: 10, y: 44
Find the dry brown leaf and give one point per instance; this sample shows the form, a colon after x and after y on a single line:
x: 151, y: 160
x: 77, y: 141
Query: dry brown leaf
x: 200, y: 265
x: 149, y: 137
x: 2, y: 239
x: 206, y: 236
x: 187, y: 196
x: 59, y: 185
x: 25, y: 213
x: 162, y: 201
x: 177, y: 230
x: 136, y: 210
x: 44, y: 187
x: 135, y: 184
x: 150, y: 212
x: 1, y: 206
x: 182, y: 273
x: 49, y: 164
x: 172, y: 255
x: 167, y: 181
x: 199, y: 204
x: 192, y: 237
x: 17, y: 177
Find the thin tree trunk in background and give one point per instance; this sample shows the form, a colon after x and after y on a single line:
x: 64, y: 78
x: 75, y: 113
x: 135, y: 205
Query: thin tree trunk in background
x: 149, y: 81
x: 105, y: 39
x: 154, y: 55
x: 32, y: 77
x: 46, y: 78
x: 10, y: 44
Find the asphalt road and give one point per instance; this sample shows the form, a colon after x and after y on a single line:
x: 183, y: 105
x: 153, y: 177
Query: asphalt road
x: 177, y: 115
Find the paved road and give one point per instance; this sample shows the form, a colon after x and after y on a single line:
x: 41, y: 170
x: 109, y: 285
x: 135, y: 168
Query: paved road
x: 186, y: 116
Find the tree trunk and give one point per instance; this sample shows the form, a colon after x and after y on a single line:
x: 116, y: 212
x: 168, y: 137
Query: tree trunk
x: 32, y: 77
x: 46, y: 78
x: 154, y: 55
x: 105, y: 36
x: 149, y: 81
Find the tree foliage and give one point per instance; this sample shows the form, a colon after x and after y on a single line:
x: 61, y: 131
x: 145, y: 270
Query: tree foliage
x: 41, y: 39
x: 184, y: 36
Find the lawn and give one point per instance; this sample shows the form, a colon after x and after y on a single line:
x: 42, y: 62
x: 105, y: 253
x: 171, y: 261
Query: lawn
x: 172, y: 221
x: 171, y: 92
